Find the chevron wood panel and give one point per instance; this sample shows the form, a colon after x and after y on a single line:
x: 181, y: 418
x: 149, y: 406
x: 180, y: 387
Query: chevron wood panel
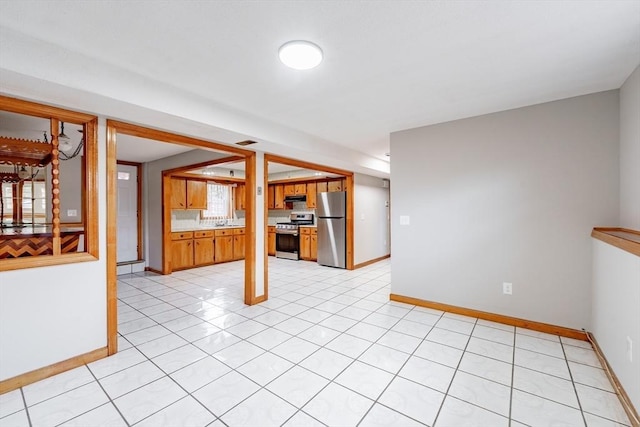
x: 36, y: 245
x: 28, y: 246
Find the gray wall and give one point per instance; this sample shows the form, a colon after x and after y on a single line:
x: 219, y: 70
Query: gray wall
x: 507, y: 197
x: 153, y: 198
x: 616, y: 273
x: 371, y: 222
x: 630, y: 152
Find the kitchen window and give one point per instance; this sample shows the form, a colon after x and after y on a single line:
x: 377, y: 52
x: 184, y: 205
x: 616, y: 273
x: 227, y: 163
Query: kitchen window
x: 218, y: 202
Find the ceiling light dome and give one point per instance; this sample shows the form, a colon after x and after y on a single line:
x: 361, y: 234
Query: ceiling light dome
x: 300, y: 55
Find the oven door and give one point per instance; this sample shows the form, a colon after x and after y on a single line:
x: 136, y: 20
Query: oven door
x: 288, y: 246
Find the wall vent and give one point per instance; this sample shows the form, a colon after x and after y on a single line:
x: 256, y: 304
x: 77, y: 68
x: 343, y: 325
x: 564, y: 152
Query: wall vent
x: 247, y: 142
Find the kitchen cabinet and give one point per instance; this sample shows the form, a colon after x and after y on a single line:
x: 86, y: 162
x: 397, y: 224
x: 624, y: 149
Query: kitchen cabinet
x: 188, y: 194
x: 203, y: 253
x: 271, y: 240
x: 314, y: 247
x: 271, y: 196
x: 224, y: 245
x: 309, y: 243
x: 289, y: 189
x: 312, y: 191
x: 321, y: 187
x: 334, y: 185
x: 300, y: 189
x: 181, y: 250
x: 238, y: 243
x: 239, y: 197
x: 279, y: 196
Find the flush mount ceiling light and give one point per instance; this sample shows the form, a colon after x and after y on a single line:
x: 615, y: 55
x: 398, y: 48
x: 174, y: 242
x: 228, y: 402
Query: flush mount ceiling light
x: 300, y: 55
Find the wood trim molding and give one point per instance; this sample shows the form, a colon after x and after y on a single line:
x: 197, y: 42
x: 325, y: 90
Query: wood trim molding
x: 348, y: 176
x: 44, y: 111
x: 625, y: 400
x: 265, y: 192
x: 31, y: 377
x: 350, y: 221
x: 499, y: 318
x: 623, y: 238
x: 173, y: 138
x: 183, y: 169
x: 153, y: 270
x: 90, y: 176
x: 371, y: 261
x: 250, y: 231
x: 112, y: 235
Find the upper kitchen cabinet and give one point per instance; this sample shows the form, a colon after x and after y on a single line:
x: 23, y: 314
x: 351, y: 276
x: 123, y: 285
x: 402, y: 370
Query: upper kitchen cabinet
x: 271, y: 197
x: 334, y: 185
x: 312, y: 190
x: 188, y: 194
x: 300, y: 189
x: 239, y: 197
x: 289, y: 189
x: 278, y: 196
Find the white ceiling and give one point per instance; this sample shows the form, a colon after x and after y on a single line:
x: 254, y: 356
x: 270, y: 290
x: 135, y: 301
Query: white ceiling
x: 389, y: 65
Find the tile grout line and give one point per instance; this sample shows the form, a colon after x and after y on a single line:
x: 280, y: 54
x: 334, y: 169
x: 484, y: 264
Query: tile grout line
x: 26, y: 407
x: 573, y: 384
x: 513, y: 371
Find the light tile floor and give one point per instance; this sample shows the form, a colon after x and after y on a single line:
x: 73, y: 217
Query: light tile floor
x: 327, y: 348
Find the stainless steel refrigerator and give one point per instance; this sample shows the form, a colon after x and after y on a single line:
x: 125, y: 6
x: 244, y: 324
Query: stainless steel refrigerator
x: 332, y: 229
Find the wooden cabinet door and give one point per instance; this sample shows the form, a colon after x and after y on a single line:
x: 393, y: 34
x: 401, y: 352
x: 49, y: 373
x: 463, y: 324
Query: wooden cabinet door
x: 203, y: 251
x: 271, y: 197
x: 181, y: 254
x: 196, y: 194
x: 322, y: 187
x: 178, y: 193
x: 313, y: 250
x: 305, y: 246
x: 334, y: 185
x: 271, y: 243
x: 238, y: 246
x: 223, y: 248
x: 279, y: 196
x: 239, y: 197
x: 289, y: 189
x: 312, y: 192
x: 300, y: 189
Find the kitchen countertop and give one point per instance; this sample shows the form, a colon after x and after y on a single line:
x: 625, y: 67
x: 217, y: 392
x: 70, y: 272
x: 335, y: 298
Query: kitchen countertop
x: 205, y: 227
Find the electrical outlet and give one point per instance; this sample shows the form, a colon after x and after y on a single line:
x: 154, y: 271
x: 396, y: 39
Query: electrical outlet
x: 630, y: 349
x: 507, y: 288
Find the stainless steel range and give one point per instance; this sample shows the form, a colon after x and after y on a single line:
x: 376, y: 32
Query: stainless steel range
x: 288, y: 235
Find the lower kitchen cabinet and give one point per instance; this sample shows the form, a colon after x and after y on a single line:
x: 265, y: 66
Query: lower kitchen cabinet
x: 224, y: 245
x: 271, y: 241
x: 203, y: 251
x: 238, y: 243
x: 309, y: 243
x: 181, y: 254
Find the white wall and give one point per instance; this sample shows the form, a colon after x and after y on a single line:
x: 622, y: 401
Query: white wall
x: 507, y: 197
x: 50, y: 314
x: 630, y: 152
x: 616, y: 273
x: 616, y: 313
x: 371, y: 222
x: 153, y: 198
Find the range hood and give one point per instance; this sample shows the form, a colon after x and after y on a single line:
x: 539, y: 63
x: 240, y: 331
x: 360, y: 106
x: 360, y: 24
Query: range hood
x: 295, y: 198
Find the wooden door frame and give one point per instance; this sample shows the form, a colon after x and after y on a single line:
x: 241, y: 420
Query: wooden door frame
x: 314, y: 166
x: 113, y: 128
x: 139, y: 187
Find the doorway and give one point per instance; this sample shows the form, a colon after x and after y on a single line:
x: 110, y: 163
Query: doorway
x: 129, y: 196
x: 162, y: 227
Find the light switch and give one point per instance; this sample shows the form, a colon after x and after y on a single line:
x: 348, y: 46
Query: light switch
x: 259, y: 191
x: 361, y: 217
x: 404, y: 220
x: 72, y: 212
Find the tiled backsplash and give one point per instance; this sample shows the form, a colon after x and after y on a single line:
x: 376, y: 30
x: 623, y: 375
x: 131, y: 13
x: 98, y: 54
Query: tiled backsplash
x: 190, y: 219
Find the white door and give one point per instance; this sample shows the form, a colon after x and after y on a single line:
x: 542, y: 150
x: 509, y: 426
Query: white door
x: 127, y: 213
